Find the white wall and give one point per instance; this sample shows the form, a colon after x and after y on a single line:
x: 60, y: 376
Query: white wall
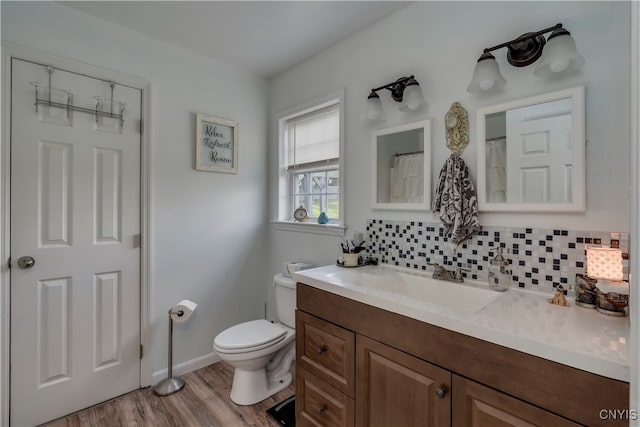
x: 440, y: 42
x: 207, y: 229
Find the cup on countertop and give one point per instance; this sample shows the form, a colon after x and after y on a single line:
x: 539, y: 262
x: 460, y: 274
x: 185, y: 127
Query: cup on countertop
x: 350, y: 259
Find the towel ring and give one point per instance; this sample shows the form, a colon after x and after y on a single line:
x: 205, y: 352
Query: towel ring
x: 456, y: 122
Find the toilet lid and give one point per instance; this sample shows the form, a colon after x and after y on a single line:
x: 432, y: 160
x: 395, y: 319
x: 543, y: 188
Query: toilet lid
x: 249, y: 334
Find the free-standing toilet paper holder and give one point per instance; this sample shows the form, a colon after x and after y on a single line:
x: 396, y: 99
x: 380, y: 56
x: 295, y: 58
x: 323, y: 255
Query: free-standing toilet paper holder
x: 172, y: 384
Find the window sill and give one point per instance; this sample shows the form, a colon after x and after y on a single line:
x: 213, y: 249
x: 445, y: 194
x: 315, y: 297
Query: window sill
x: 311, y: 228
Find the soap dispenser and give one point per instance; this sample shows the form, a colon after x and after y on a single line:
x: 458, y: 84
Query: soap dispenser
x: 499, y: 273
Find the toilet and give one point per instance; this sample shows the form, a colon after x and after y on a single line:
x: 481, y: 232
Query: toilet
x: 261, y: 352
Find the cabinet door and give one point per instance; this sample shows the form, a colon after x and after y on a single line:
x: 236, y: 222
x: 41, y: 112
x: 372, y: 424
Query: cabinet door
x: 394, y: 388
x: 475, y: 405
x: 319, y: 404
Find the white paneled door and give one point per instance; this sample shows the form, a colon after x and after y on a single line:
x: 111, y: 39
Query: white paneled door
x: 539, y: 160
x: 75, y: 243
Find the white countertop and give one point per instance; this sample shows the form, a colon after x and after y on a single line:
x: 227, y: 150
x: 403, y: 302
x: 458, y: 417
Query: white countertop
x: 519, y: 319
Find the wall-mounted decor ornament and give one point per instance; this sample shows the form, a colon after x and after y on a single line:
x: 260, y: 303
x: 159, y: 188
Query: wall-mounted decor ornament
x: 216, y: 144
x: 457, y: 128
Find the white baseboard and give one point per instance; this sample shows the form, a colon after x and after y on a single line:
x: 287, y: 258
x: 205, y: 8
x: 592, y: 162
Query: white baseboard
x: 185, y: 367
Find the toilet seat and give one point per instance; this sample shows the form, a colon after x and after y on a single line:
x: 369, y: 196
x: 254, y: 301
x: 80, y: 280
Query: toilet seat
x: 249, y: 336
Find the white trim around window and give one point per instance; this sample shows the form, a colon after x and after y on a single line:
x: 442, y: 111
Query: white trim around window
x: 283, y: 215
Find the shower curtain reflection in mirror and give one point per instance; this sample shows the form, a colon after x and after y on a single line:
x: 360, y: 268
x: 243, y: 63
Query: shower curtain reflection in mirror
x: 407, y: 178
x: 401, y: 167
x: 497, y: 169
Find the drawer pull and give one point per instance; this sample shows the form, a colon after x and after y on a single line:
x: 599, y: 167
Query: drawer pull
x: 321, y: 349
x: 320, y: 409
x: 441, y: 392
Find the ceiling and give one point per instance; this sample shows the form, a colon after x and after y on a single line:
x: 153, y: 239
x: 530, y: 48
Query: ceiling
x: 264, y: 37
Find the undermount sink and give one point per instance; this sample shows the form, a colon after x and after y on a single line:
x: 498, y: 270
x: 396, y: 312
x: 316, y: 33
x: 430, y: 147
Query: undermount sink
x: 392, y: 283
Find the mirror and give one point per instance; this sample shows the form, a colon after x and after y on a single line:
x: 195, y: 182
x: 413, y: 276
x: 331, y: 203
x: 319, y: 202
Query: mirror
x: 402, y: 167
x: 531, y: 154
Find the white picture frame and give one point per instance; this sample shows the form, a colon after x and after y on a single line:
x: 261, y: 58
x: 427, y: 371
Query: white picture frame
x: 216, y: 144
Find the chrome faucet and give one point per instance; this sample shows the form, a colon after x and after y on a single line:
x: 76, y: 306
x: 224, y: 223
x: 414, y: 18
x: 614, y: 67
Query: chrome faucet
x: 441, y: 273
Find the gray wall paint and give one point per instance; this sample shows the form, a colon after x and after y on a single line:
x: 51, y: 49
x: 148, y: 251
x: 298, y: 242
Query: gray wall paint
x: 440, y: 42
x: 207, y: 229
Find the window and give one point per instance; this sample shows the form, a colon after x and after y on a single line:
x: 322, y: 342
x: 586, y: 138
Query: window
x: 310, y: 167
x: 313, y: 157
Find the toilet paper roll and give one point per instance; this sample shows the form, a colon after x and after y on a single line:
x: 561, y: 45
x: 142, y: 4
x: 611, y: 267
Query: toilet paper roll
x: 183, y: 310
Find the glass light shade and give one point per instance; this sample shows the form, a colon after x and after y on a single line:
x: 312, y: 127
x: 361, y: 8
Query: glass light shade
x: 604, y: 263
x: 559, y: 57
x: 374, y: 108
x: 486, y: 76
x: 412, y: 98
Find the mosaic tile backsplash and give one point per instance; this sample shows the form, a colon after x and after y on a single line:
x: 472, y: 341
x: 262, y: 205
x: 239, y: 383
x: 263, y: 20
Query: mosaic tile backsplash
x: 540, y: 258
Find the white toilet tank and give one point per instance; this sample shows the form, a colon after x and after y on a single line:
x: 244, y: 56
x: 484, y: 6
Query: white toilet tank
x: 285, y: 299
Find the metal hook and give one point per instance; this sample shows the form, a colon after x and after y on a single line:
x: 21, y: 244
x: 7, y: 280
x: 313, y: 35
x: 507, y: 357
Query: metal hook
x: 123, y: 106
x: 99, y: 100
x: 112, y: 85
x: 36, y: 85
x: 50, y: 72
x: 69, y: 99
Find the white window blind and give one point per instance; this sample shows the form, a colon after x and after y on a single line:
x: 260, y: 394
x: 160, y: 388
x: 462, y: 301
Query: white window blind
x: 314, y: 137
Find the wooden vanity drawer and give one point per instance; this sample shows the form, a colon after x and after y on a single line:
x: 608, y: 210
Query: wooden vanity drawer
x: 319, y: 404
x: 327, y: 351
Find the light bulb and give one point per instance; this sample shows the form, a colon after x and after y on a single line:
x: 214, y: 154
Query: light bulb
x: 373, y: 115
x: 486, y: 75
x: 487, y: 84
x: 559, y: 57
x: 558, y: 66
x: 373, y: 107
x: 413, y: 98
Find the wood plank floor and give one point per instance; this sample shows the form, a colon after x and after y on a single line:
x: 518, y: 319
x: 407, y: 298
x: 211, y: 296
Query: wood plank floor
x: 204, y: 401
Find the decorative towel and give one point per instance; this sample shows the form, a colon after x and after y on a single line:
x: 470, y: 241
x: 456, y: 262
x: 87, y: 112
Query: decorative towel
x: 456, y: 201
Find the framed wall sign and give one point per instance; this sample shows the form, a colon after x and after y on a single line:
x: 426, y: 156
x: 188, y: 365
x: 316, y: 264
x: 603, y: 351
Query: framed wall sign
x: 216, y: 144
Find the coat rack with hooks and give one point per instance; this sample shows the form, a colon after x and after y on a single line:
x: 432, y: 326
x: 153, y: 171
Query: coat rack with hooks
x: 97, y: 111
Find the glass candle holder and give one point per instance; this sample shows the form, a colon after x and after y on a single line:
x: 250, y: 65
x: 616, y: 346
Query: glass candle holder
x: 612, y: 298
x: 585, y: 291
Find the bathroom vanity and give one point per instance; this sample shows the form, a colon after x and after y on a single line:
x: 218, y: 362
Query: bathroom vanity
x: 374, y: 350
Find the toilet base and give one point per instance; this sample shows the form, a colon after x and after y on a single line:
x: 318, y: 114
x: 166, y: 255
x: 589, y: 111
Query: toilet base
x: 251, y: 387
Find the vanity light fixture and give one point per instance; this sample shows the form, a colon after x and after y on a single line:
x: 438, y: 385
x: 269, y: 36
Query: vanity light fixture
x: 559, y: 57
x: 405, y: 90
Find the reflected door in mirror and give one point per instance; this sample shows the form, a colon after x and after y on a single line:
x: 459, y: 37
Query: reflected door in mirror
x: 533, y: 163
x: 533, y: 155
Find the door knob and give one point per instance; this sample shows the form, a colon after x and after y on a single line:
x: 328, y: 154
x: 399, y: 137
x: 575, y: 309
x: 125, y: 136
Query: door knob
x: 26, y: 262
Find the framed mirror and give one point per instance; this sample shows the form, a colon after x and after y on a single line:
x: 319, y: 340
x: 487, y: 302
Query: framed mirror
x: 401, y: 178
x: 531, y: 154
